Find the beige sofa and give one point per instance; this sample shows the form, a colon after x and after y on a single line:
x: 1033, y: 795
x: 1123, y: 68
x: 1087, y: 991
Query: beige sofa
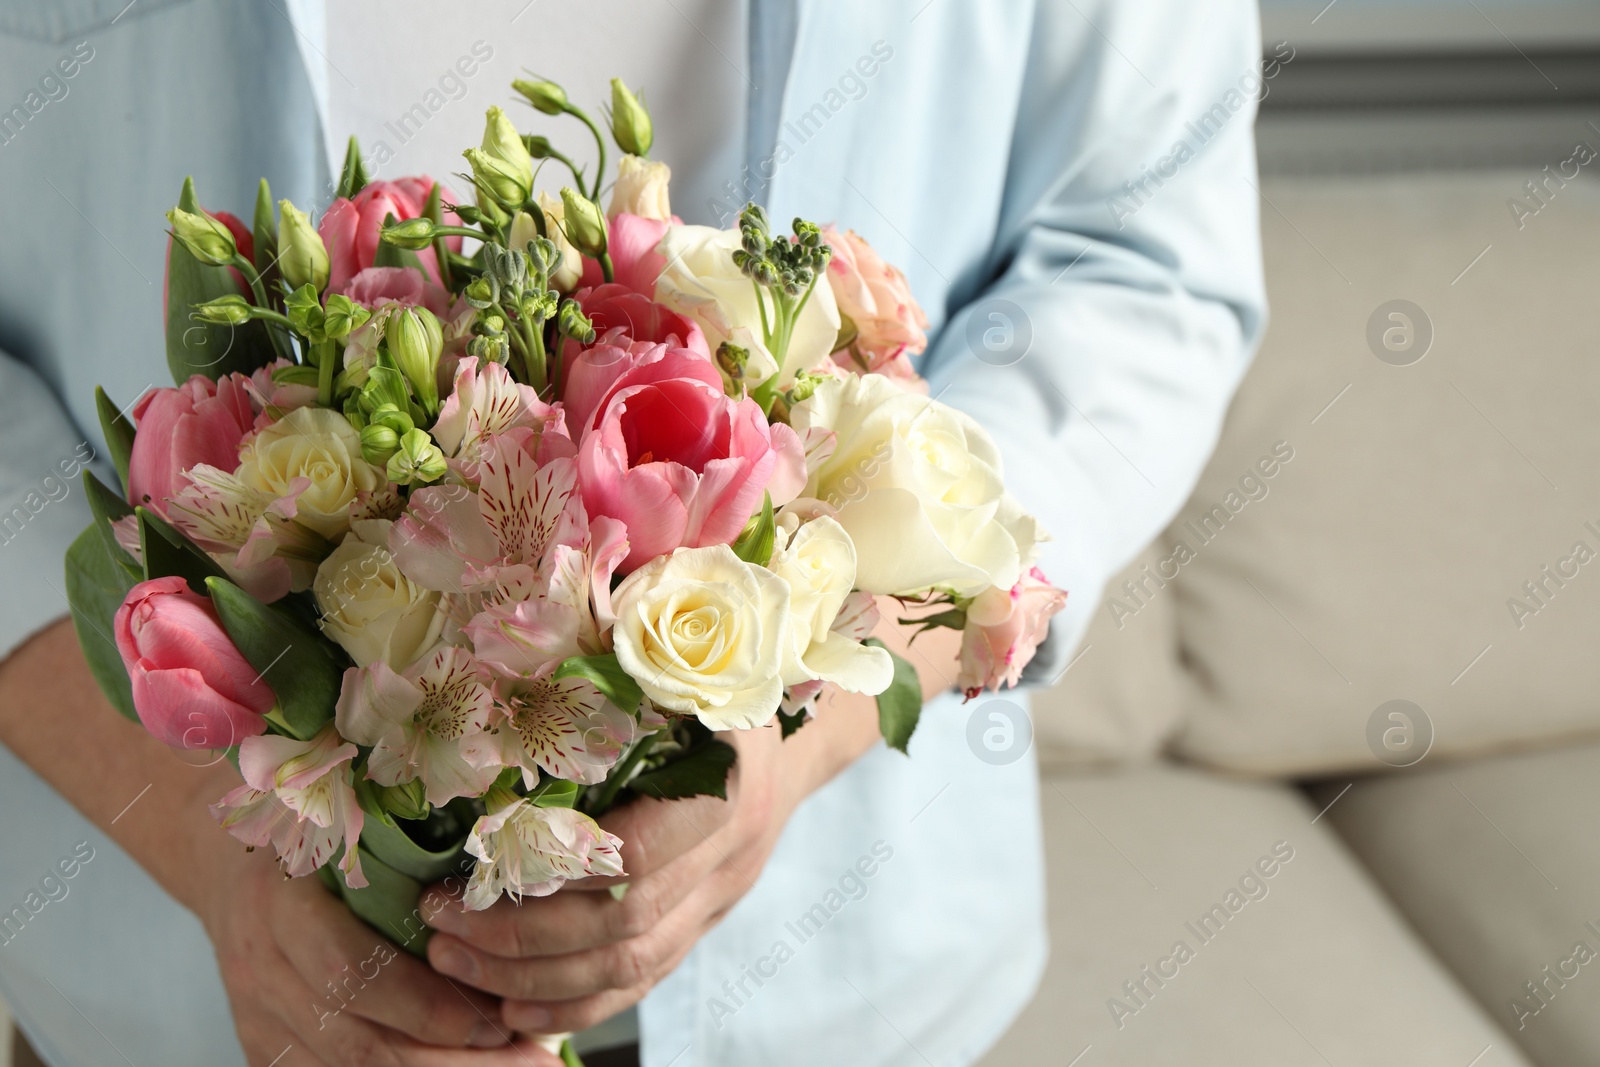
x: 1321, y: 786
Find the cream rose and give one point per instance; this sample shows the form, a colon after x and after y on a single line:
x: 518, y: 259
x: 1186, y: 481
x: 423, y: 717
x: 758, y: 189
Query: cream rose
x: 918, y: 487
x: 705, y: 633
x: 372, y: 610
x: 641, y: 189
x: 818, y: 562
x: 701, y: 282
x: 313, y: 455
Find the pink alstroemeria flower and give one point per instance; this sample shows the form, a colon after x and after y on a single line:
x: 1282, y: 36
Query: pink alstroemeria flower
x: 486, y: 401
x: 1004, y: 629
x: 418, y: 720
x: 298, y: 797
x: 524, y: 850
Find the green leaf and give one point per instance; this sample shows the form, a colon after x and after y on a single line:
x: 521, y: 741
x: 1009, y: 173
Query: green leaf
x: 556, y: 793
x: 199, y: 348
x: 952, y: 619
x: 296, y: 374
x: 391, y: 902
x: 606, y: 675
x: 382, y: 836
x: 167, y: 552
x: 118, y: 432
x: 107, y: 508
x: 755, y: 543
x: 353, y: 175
x: 264, y: 234
x: 790, y: 723
x: 900, y: 705
x: 303, y: 668
x: 96, y: 587
x: 569, y: 1055
x: 702, y: 771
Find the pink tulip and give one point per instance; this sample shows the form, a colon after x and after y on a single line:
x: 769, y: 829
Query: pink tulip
x: 200, y: 421
x: 407, y: 286
x: 191, y: 687
x: 350, y: 228
x: 631, y: 243
x: 1004, y: 629
x: 678, y: 462
x: 620, y: 315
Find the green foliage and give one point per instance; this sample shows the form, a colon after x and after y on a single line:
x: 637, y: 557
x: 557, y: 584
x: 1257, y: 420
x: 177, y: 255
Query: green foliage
x: 899, y: 706
x: 118, y: 432
x: 755, y: 543
x: 199, y: 348
x: 702, y: 771
x: 606, y: 675
x: 303, y: 668
x: 96, y: 586
x: 167, y: 553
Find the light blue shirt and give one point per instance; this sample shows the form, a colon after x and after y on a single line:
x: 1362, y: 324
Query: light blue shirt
x: 1068, y: 185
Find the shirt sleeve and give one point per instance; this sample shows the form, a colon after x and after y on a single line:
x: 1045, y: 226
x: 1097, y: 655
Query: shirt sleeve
x: 42, y: 505
x: 1127, y: 298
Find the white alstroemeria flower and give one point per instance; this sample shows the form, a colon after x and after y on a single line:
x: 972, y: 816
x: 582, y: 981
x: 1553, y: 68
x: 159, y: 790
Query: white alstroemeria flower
x: 418, y: 721
x: 298, y: 797
x: 524, y: 850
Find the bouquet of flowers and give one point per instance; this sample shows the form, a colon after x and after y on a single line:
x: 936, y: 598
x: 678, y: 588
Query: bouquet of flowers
x: 467, y: 522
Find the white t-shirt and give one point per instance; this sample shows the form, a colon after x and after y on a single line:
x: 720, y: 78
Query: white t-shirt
x: 412, y: 84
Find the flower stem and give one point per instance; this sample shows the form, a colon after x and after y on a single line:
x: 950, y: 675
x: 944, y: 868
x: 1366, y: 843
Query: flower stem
x: 246, y: 268
x: 623, y: 771
x: 600, y: 145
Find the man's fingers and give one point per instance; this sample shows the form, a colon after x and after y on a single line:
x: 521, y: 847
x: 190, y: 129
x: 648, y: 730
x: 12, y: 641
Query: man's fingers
x: 556, y: 1017
x: 571, y: 922
x: 354, y: 971
x: 656, y: 832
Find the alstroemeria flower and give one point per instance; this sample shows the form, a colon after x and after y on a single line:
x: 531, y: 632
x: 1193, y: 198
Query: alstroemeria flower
x: 417, y: 721
x: 524, y: 850
x: 1004, y: 629
x: 488, y: 401
x: 298, y: 797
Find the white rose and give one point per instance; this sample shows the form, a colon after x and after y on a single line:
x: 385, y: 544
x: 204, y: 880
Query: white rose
x: 918, y: 487
x: 372, y: 610
x: 818, y: 561
x: 705, y: 633
x: 701, y: 281
x: 320, y: 446
x: 641, y: 189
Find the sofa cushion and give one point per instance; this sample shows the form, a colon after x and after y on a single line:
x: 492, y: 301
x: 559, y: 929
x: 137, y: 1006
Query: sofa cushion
x: 1494, y: 863
x: 1431, y: 531
x: 1293, y: 957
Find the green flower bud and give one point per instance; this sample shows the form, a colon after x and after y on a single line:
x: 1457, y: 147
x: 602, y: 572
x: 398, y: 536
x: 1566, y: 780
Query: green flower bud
x: 500, y: 180
x: 223, y: 311
x: 630, y: 122
x: 302, y: 257
x: 538, y: 147
x: 343, y: 317
x: 573, y: 323
x: 393, y: 417
x: 412, y: 234
x: 546, y: 96
x: 482, y: 292
x: 805, y: 384
x: 733, y: 359
x: 408, y: 800
x: 207, y: 240
x: 418, y: 460
x: 502, y: 141
x: 378, y: 443
x: 584, y: 225
x: 415, y: 342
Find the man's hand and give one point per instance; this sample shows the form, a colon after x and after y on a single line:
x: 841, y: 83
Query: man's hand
x: 573, y: 959
x: 280, y: 942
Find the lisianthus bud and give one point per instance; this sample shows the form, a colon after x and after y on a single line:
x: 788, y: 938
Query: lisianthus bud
x: 502, y: 141
x: 302, y: 257
x: 574, y: 324
x: 630, y: 122
x: 412, y: 234
x: 207, y: 240
x: 418, y: 460
x: 544, y: 95
x: 501, y: 180
x: 415, y: 342
x: 584, y: 225
x: 538, y: 147
x: 224, y: 311
x: 378, y: 443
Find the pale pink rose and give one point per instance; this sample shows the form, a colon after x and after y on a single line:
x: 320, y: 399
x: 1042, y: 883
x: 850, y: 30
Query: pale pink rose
x: 376, y: 286
x: 680, y: 463
x: 890, y: 324
x: 631, y: 244
x: 350, y: 227
x: 1004, y: 629
x: 191, y: 687
x: 200, y: 421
